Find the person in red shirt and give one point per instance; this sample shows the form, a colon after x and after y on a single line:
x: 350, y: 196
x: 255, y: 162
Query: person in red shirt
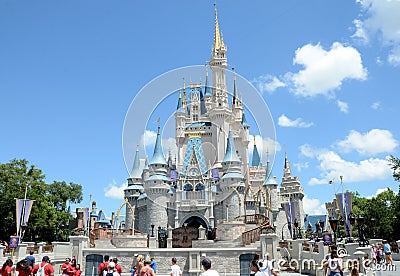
x: 103, y: 265
x: 66, y: 267
x: 23, y: 268
x: 117, y: 266
x: 45, y: 264
x: 7, y: 269
x: 78, y: 270
x: 73, y: 267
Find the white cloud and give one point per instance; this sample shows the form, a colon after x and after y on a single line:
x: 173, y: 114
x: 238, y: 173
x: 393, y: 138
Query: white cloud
x: 376, y: 105
x: 324, y: 71
x: 378, y: 191
x: 268, y: 83
x: 343, y: 106
x: 331, y: 166
x: 114, y: 191
x: 313, y: 206
x: 301, y: 166
x: 373, y: 142
x: 284, y: 121
x: 381, y: 18
x: 148, y: 138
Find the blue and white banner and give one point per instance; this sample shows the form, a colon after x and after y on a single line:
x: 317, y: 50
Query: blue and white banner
x: 23, y: 210
x: 215, y: 174
x: 173, y: 175
x: 345, y: 206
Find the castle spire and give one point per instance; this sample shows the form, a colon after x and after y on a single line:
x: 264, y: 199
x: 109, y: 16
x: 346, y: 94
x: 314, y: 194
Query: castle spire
x: 218, y: 41
x: 136, y: 173
x: 255, y: 161
x: 207, y: 89
x: 230, y: 155
x: 158, y: 155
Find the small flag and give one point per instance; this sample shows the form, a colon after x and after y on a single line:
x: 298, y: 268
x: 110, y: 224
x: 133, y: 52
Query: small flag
x: 158, y: 120
x: 330, y: 181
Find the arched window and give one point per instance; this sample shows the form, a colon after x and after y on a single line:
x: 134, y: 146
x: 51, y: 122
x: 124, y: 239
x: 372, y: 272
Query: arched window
x: 187, y: 188
x: 201, y: 189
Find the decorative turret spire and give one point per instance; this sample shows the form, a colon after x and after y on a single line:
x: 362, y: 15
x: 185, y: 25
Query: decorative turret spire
x: 235, y: 99
x: 244, y: 121
x: 230, y: 155
x: 255, y: 161
x: 158, y: 155
x: 286, y: 169
x: 136, y: 173
x: 218, y: 41
x: 184, y: 103
x: 179, y: 106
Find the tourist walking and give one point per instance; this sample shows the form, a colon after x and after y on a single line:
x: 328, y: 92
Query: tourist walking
x: 388, y: 252
x: 335, y: 264
x: 66, y: 267
x: 44, y: 266
x: 153, y: 264
x: 7, y: 269
x: 255, y: 258
x: 208, y: 271
x: 78, y: 270
x: 110, y: 271
x: 139, y: 264
x: 175, y: 269
x: 146, y: 269
x: 118, y: 267
x: 103, y: 265
x: 255, y: 269
x: 23, y: 268
x: 31, y: 258
x: 266, y: 266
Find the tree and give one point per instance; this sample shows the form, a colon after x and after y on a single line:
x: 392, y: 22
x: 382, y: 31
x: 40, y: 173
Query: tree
x: 50, y: 207
x: 395, y: 165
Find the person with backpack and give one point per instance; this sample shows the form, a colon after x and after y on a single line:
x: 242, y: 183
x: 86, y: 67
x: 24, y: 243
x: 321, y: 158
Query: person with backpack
x: 103, y: 266
x: 23, y: 268
x: 117, y: 266
x: 44, y: 268
x: 111, y: 271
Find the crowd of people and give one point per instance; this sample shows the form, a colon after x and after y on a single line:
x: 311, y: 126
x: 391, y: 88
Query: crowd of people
x: 27, y: 267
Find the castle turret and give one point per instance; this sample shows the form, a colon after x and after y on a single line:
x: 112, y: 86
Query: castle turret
x: 157, y: 186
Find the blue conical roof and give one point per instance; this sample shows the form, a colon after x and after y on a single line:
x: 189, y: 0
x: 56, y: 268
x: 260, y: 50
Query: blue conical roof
x: 255, y: 161
x: 244, y: 121
x: 230, y: 155
x: 136, y: 173
x: 179, y: 107
x: 158, y: 155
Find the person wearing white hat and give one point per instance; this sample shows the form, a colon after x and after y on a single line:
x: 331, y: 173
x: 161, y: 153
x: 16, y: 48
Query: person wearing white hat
x: 111, y: 271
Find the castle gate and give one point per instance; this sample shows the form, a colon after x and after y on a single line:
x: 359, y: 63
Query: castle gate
x: 182, y: 237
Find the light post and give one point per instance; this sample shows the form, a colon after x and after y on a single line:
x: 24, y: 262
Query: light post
x: 59, y: 227
x: 373, y: 224
x: 282, y: 230
x: 295, y: 224
x: 352, y: 220
x: 22, y: 222
x: 361, y: 237
x: 152, y: 230
x: 333, y: 222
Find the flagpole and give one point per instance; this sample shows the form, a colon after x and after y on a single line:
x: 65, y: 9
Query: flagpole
x: 344, y: 207
x: 22, y: 218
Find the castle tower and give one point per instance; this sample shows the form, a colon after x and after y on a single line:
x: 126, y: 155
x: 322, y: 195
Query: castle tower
x: 220, y: 114
x: 134, y: 189
x: 157, y: 187
x: 232, y: 182
x: 292, y: 194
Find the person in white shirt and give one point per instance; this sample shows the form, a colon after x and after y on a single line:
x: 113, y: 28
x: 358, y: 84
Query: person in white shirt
x: 266, y: 266
x: 254, y: 268
x: 110, y: 271
x: 175, y: 269
x: 208, y: 271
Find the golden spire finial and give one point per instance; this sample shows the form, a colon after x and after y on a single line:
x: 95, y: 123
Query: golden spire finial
x: 218, y: 41
x: 184, y: 94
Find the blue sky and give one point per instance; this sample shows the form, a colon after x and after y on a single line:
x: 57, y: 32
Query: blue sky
x: 328, y: 71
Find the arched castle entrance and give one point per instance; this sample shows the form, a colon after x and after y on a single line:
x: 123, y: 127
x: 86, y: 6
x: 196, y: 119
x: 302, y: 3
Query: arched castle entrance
x: 183, y: 236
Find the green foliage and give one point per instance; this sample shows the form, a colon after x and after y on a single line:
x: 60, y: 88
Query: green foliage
x: 49, y: 209
x: 384, y: 208
x: 395, y: 165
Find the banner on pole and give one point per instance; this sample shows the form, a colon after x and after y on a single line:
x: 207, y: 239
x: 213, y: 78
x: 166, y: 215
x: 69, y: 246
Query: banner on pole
x: 23, y: 210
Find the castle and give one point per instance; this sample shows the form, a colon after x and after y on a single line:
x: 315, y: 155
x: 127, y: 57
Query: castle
x: 212, y: 180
